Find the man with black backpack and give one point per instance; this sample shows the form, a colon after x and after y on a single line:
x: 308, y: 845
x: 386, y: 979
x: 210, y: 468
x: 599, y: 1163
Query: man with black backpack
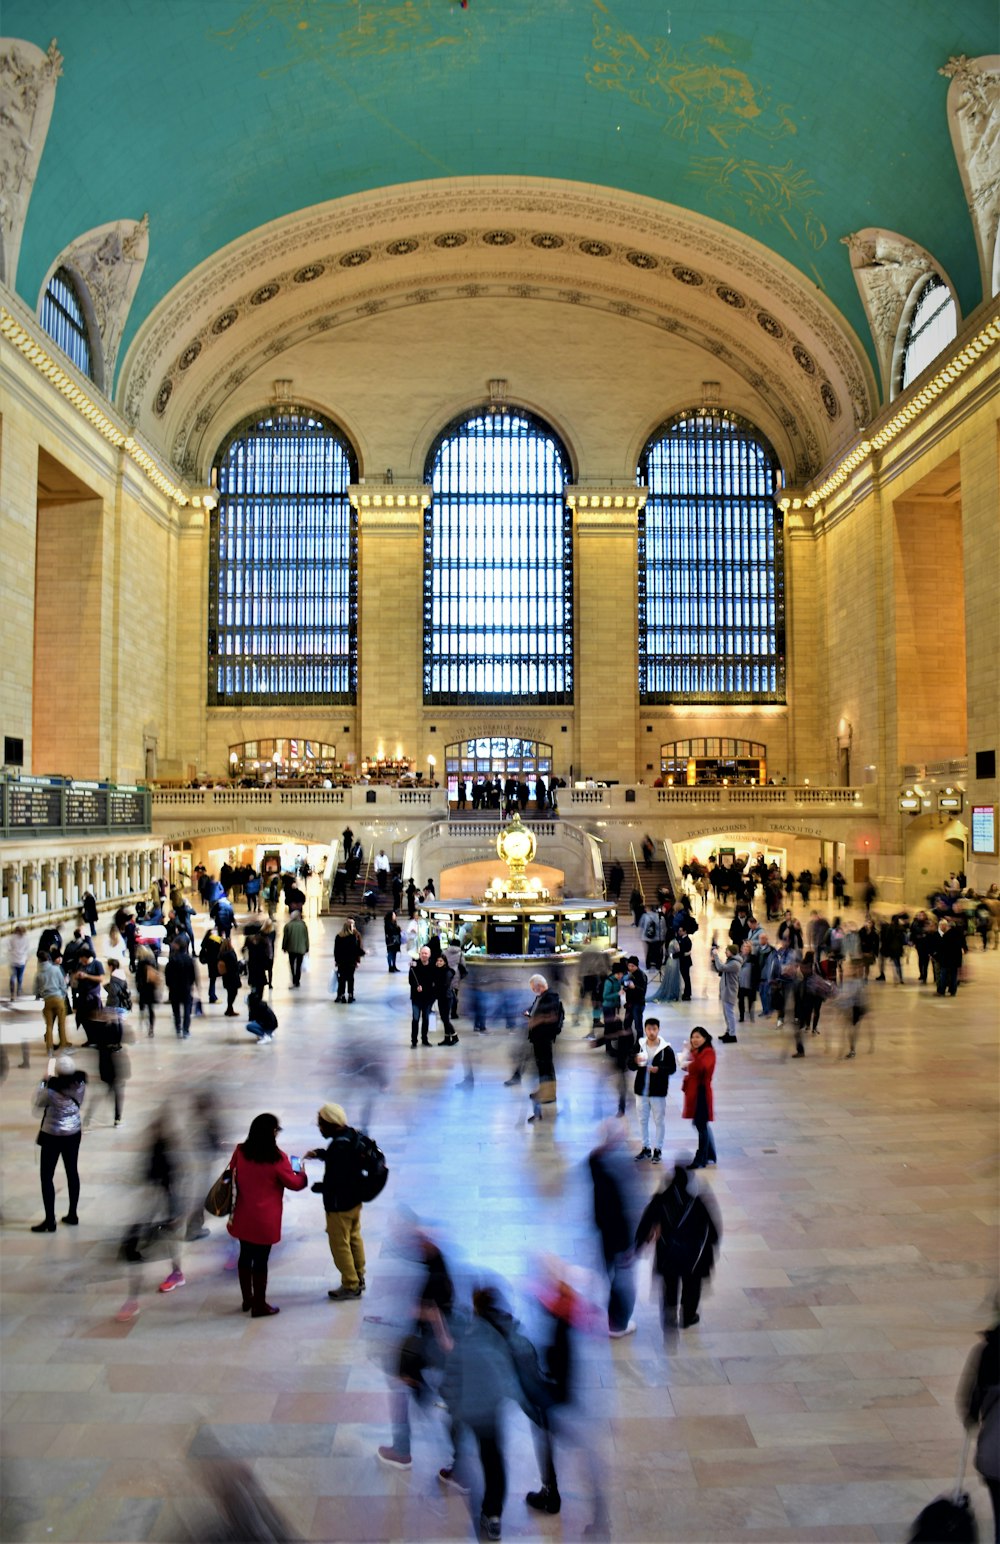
x: 356, y: 1172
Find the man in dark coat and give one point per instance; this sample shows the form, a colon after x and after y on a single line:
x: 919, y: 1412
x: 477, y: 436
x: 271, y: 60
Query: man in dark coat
x: 686, y: 1229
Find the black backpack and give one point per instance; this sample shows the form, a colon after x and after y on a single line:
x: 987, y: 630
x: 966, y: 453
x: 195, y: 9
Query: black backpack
x: 372, y: 1169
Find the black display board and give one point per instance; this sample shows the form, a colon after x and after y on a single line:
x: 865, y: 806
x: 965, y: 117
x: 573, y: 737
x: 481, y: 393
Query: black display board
x: 503, y: 937
x: 86, y: 806
x: 126, y: 807
x: 33, y: 804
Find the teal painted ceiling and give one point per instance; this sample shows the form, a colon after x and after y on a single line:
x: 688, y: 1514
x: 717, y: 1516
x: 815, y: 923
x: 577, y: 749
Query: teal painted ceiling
x: 794, y: 121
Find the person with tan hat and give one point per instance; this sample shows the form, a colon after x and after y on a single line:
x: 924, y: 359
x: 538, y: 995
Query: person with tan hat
x: 342, y: 1200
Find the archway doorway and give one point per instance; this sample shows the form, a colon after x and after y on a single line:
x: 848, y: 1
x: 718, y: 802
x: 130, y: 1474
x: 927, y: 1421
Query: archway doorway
x: 713, y: 761
x: 492, y: 756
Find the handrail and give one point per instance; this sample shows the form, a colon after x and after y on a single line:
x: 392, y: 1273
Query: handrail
x: 638, y: 876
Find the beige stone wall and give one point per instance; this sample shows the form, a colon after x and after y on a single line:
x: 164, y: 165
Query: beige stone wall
x: 18, y: 492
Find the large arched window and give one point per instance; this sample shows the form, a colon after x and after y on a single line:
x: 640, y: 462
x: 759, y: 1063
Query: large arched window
x: 498, y: 576
x: 711, y: 573
x: 64, y: 319
x: 283, y: 571
x: 932, y: 326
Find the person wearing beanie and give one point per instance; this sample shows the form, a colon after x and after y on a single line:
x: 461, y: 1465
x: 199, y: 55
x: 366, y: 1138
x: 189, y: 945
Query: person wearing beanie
x: 341, y: 1200
x: 60, y: 1098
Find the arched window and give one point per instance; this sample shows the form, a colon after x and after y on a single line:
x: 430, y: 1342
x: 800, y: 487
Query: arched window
x: 498, y: 576
x: 283, y: 568
x: 64, y: 319
x: 932, y: 326
x: 711, y: 571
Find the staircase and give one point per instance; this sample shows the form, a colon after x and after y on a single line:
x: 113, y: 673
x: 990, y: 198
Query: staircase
x: 650, y: 880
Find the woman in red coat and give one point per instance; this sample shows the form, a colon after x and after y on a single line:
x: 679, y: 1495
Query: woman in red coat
x: 698, y: 1105
x: 261, y: 1175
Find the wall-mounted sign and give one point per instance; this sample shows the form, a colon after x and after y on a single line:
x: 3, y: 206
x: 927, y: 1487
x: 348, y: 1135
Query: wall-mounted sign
x: 909, y: 801
x: 984, y: 829
x: 954, y: 803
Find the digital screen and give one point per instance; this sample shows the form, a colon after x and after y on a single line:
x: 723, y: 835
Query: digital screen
x: 542, y: 937
x: 984, y: 828
x: 33, y: 804
x: 503, y: 937
x: 86, y: 806
x: 126, y: 808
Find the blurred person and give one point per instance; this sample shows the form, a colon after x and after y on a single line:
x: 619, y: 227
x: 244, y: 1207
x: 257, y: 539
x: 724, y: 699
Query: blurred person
x: 636, y: 905
x: 243, y: 1513
x: 261, y: 1173
x: 228, y: 967
x: 50, y: 939
x: 868, y: 943
x: 811, y: 991
x: 545, y: 1021
x: 181, y: 976
x: 653, y: 930
x: 616, y: 1214
x: 852, y: 1002
x: 618, y: 1038
x: 341, y: 1191
x: 615, y: 876
x: 208, y: 954
x: 698, y: 1062
x: 790, y: 932
x: 112, y: 1061
x: 669, y: 989
x: 421, y: 984
x: 426, y: 1344
x: 88, y: 909
x: 922, y: 939
x: 748, y: 980
x: 393, y: 940
x: 204, y: 1146
x: 979, y: 1407
x: 18, y: 949
x: 51, y: 987
x: 60, y: 1098
x: 653, y: 1062
x: 686, y: 1230
x: 479, y: 1378
x: 257, y: 955
x: 158, y: 1227
x: 728, y: 972
x: 262, y: 1021
x: 295, y: 943
x: 891, y: 941
x: 147, y: 982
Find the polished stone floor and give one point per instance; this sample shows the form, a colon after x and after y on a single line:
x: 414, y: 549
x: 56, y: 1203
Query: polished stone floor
x: 814, y: 1401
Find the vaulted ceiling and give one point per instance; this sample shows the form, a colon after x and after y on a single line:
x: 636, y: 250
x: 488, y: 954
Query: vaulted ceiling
x: 310, y: 164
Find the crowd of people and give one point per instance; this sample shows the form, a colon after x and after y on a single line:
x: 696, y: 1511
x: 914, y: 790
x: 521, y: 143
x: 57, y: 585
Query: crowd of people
x: 464, y: 1346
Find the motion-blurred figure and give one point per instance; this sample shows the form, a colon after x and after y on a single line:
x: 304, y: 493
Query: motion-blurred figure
x: 686, y: 1229
x: 616, y: 1212
x: 979, y: 1407
x: 243, y: 1514
x: 157, y: 1227
x: 427, y: 1342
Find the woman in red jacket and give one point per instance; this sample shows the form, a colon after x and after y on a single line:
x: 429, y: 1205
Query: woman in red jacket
x: 698, y: 1105
x: 261, y: 1175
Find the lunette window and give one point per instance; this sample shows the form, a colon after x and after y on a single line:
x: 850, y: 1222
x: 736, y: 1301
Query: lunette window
x: 711, y: 568
x: 498, y: 577
x: 931, y: 328
x: 283, y: 570
x: 63, y: 318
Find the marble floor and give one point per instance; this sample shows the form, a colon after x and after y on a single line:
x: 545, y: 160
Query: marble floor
x: 813, y: 1402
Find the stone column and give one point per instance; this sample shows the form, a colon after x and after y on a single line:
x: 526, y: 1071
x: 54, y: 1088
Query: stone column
x: 607, y: 629
x: 12, y: 889
x: 390, y: 712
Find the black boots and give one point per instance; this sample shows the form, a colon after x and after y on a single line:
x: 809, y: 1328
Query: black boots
x: 261, y: 1308
x: 547, y: 1499
x: 246, y: 1286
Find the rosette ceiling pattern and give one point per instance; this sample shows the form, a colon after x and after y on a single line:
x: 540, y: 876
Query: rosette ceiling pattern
x: 690, y: 171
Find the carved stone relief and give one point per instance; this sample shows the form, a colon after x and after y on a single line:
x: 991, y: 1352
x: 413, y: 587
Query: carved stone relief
x: 109, y: 260
x: 886, y: 267
x: 974, y: 121
x: 730, y: 268
x: 27, y: 92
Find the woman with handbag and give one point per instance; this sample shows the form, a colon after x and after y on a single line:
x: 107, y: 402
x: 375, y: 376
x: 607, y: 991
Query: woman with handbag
x: 261, y: 1174
x: 59, y: 1098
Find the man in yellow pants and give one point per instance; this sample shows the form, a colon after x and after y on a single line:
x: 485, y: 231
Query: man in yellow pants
x: 342, y: 1200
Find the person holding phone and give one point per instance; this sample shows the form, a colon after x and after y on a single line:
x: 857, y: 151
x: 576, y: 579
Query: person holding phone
x: 261, y: 1174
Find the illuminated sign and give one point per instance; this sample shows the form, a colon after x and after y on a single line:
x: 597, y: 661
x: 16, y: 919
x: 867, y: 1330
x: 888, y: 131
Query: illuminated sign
x: 984, y: 828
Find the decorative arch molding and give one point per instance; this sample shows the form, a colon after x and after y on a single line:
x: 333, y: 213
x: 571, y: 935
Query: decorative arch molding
x: 107, y: 264
x: 890, y: 271
x: 523, y: 239
x: 28, y: 77
x: 974, y: 121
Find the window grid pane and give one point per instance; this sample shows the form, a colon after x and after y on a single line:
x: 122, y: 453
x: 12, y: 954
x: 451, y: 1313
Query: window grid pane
x: 63, y: 319
x: 933, y: 325
x: 711, y: 570
x: 283, y: 570
x: 498, y: 580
